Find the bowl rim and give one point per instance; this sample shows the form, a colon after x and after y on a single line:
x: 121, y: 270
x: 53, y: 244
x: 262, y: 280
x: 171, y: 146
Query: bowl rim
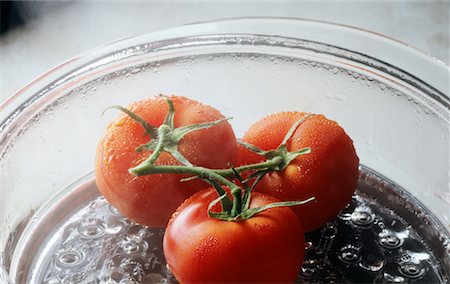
x: 429, y: 69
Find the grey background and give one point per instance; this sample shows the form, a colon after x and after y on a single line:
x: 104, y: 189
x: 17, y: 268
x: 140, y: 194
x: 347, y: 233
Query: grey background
x: 61, y: 30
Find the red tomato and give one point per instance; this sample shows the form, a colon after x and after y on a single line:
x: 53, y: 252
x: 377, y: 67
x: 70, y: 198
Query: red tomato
x: 151, y: 199
x: 266, y: 248
x: 329, y: 173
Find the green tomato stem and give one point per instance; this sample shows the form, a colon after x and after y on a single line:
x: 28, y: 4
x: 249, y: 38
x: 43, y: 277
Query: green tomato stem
x: 145, y: 168
x: 159, y: 147
x: 236, y: 210
x: 253, y: 211
x: 266, y: 165
x: 228, y: 205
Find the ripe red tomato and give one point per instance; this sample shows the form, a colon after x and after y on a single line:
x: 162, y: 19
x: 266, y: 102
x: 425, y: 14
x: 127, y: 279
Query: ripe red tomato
x: 266, y: 248
x: 329, y: 173
x: 151, y: 199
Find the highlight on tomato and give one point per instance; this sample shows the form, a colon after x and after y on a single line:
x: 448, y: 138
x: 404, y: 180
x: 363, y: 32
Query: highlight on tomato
x: 173, y: 130
x: 329, y: 172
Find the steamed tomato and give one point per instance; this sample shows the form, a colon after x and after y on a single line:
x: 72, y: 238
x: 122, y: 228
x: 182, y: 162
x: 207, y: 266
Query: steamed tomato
x: 151, y: 199
x: 329, y: 173
x: 266, y: 248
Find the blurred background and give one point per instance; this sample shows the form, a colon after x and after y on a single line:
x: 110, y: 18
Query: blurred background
x: 37, y: 35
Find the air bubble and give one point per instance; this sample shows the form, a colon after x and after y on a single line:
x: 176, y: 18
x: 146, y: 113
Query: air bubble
x: 393, y: 278
x: 69, y: 258
x: 308, y: 245
x: 362, y: 218
x: 97, y: 203
x: 309, y: 272
x: 165, y: 272
x: 412, y: 270
x: 345, y: 216
x: 92, y: 229
x: 113, y: 210
x: 133, y: 269
x: 349, y: 254
x: 115, y: 225
x: 374, y: 266
x: 132, y: 245
x: 390, y: 240
x: 136, y: 70
x: 330, y: 232
x: 135, y: 230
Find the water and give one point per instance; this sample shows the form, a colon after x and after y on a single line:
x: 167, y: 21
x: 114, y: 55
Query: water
x: 90, y: 242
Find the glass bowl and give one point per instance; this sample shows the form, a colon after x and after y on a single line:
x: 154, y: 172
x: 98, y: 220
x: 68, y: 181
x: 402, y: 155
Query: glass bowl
x: 391, y: 99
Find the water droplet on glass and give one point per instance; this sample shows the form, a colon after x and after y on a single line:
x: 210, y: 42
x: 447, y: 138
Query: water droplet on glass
x: 120, y: 122
x: 136, y: 70
x: 110, y: 159
x: 382, y: 86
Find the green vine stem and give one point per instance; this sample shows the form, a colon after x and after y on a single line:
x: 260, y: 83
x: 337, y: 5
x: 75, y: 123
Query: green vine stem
x: 239, y: 209
x: 165, y: 138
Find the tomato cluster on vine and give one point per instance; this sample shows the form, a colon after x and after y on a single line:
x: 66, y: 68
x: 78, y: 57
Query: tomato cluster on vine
x: 235, y: 211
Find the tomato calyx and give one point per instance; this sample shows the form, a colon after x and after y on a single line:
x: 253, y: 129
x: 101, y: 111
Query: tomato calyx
x: 164, y: 138
x: 241, y: 210
x: 278, y: 159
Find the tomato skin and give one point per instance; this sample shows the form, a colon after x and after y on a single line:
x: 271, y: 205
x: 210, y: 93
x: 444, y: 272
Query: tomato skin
x: 329, y: 173
x: 151, y: 199
x: 267, y: 248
